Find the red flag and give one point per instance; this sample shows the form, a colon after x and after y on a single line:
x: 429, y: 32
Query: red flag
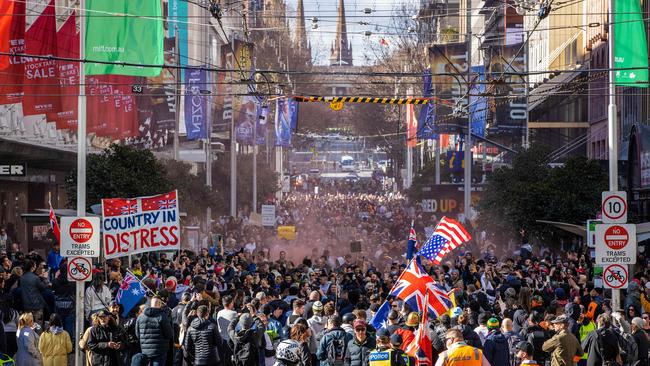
x: 67, y: 40
x: 6, y: 16
x: 111, y: 107
x: 421, y: 347
x: 11, y: 77
x: 411, y: 126
x: 119, y: 206
x: 54, y: 224
x: 165, y: 201
x: 41, y: 78
x: 383, y: 42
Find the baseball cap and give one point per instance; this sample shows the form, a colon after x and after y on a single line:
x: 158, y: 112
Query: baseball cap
x: 525, y: 347
x: 359, y: 323
x: 383, y: 334
x: 396, y: 339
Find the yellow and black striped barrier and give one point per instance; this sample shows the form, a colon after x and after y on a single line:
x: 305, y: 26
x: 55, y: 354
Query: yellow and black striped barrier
x: 373, y: 100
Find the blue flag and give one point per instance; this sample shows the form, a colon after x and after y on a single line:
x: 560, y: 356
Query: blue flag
x: 381, y: 316
x: 196, y: 105
x: 426, y: 120
x: 285, y: 113
x: 410, y: 250
x: 130, y: 293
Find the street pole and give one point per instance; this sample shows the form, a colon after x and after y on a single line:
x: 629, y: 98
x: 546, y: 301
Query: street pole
x: 468, y: 137
x: 409, y: 149
x: 81, y: 173
x: 178, y: 94
x: 527, y: 138
x: 257, y: 121
x: 233, y: 145
x: 612, y: 138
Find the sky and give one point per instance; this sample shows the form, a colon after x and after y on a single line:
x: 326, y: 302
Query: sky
x: 326, y: 11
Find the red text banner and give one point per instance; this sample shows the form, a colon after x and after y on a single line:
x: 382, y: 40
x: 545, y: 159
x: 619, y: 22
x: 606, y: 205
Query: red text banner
x: 142, y: 224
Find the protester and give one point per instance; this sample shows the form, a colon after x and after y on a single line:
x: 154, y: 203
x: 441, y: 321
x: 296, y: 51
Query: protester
x: 459, y: 352
x: 55, y: 344
x: 202, y: 340
x: 154, y: 330
x: 332, y: 347
x: 563, y: 346
x: 27, y: 340
x: 359, y: 346
x: 601, y: 344
x: 105, y: 341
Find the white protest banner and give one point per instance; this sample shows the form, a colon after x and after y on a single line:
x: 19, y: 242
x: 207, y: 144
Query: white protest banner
x: 141, y: 224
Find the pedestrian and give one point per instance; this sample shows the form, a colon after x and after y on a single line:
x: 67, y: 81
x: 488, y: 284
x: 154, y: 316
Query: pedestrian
x: 536, y: 335
x: 31, y: 291
x: 300, y: 333
x: 396, y: 344
x: 55, y: 343
x: 360, y: 346
x: 496, y: 348
x: 105, y: 341
x: 97, y: 296
x: 27, y: 341
x: 563, y: 346
x: 246, y: 333
x: 332, y: 347
x: 525, y: 354
x: 460, y: 353
x: 642, y: 341
x: 203, y: 340
x: 154, y: 330
x: 407, y: 332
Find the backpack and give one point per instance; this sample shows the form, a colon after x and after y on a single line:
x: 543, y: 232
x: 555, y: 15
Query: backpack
x: 627, y: 347
x: 245, y: 354
x: 513, y: 340
x: 64, y: 305
x: 336, y: 351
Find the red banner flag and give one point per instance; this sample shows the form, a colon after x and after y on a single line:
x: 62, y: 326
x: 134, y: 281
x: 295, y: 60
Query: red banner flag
x: 411, y: 126
x: 67, y: 41
x: 54, y: 225
x: 6, y: 16
x: 111, y: 108
x: 11, y: 77
x: 41, y: 78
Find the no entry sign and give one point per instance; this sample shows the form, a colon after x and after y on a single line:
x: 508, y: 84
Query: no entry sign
x: 79, y: 269
x: 615, y: 276
x: 616, y: 243
x: 80, y: 236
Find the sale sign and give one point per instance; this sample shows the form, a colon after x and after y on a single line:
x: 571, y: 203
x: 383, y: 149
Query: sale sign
x: 142, y: 224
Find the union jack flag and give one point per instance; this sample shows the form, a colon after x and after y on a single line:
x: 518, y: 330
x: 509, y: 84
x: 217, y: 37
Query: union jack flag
x: 413, y: 286
x: 54, y: 224
x: 167, y: 204
x: 130, y: 208
x: 449, y: 234
x: 412, y: 243
x: 165, y: 201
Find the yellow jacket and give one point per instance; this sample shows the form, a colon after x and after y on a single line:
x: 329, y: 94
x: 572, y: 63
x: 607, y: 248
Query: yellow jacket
x: 645, y: 304
x: 55, y: 348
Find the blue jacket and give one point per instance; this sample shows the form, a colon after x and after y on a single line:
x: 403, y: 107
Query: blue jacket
x: 496, y: 350
x: 54, y: 260
x: 328, y: 337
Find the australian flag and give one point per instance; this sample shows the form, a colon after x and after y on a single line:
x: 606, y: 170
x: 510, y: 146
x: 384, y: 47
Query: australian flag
x: 410, y: 250
x: 130, y: 293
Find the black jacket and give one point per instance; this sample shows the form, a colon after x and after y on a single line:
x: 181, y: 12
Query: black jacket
x: 154, y: 330
x: 31, y: 287
x: 536, y: 335
x: 357, y: 353
x: 642, y: 342
x: 201, y: 342
x: 470, y: 336
x: 100, y: 353
x: 600, y: 345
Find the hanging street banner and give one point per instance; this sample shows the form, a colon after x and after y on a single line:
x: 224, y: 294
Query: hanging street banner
x: 507, y: 106
x: 247, y: 120
x: 137, y: 38
x: 11, y: 77
x: 7, y: 10
x: 67, y: 40
x: 141, y: 224
x: 630, y: 47
x: 478, y: 106
x: 411, y: 126
x: 196, y: 104
x: 427, y: 118
x: 448, y: 63
x: 177, y: 17
x: 41, y: 77
x: 285, y: 112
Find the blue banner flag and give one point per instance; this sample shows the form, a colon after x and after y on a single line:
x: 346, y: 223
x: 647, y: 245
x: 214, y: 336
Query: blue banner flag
x: 427, y: 116
x: 410, y: 250
x: 196, y: 105
x: 283, y: 120
x: 263, y: 113
x: 248, y: 118
x: 177, y: 17
x: 478, y: 105
x: 130, y: 293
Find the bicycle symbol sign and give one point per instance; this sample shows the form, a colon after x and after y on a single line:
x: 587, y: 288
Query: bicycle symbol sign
x: 79, y: 269
x: 615, y: 276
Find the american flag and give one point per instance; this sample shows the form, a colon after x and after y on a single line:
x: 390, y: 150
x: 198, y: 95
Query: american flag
x: 54, y: 224
x: 449, y: 234
x: 164, y: 201
x: 414, y: 284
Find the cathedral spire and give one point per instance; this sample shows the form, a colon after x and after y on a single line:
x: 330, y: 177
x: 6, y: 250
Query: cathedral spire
x: 341, y: 52
x: 301, y: 33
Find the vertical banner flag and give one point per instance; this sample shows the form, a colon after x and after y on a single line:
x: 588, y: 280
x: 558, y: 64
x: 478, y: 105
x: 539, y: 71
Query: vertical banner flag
x: 7, y: 15
x: 196, y: 104
x: 111, y: 109
x: 137, y: 38
x: 248, y: 115
x: 41, y: 77
x: 411, y: 126
x: 177, y: 17
x: 11, y: 76
x: 262, y: 124
x: 427, y: 116
x: 478, y: 102
x: 142, y: 224
x: 449, y: 81
x: 410, y: 245
x: 283, y: 117
x: 630, y: 47
x: 67, y: 40
x: 54, y: 225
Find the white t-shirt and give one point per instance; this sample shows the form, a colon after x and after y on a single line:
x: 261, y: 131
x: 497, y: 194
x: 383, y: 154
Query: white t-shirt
x: 224, y: 318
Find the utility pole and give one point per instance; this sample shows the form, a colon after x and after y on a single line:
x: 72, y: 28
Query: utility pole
x: 178, y: 93
x: 81, y: 172
x: 409, y: 150
x: 233, y: 145
x: 255, y: 124
x: 612, y: 138
x: 468, y: 137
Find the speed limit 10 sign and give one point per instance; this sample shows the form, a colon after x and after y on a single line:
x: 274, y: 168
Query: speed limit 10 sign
x: 614, y: 207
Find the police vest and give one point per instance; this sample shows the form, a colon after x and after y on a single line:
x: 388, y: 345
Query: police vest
x: 464, y: 356
x: 384, y: 358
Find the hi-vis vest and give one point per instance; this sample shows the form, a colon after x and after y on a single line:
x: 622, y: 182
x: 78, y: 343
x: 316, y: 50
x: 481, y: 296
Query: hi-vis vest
x: 464, y: 356
x: 383, y: 358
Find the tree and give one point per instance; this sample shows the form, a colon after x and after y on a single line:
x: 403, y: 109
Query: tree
x: 194, y: 195
x: 531, y: 190
x: 120, y: 171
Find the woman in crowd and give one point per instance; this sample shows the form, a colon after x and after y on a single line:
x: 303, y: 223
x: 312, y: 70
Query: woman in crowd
x: 55, y: 343
x: 27, y: 341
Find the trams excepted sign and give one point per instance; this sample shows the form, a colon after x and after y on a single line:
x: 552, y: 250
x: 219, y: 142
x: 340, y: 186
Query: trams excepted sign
x: 79, y: 269
x: 614, y: 207
x: 615, y: 276
x: 80, y: 236
x: 616, y: 243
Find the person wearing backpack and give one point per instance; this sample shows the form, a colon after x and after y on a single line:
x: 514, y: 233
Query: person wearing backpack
x: 601, y: 344
x: 626, y: 343
x: 333, y: 346
x: 246, y: 333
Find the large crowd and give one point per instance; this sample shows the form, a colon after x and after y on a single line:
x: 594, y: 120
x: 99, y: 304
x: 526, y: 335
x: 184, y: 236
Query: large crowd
x: 256, y: 299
